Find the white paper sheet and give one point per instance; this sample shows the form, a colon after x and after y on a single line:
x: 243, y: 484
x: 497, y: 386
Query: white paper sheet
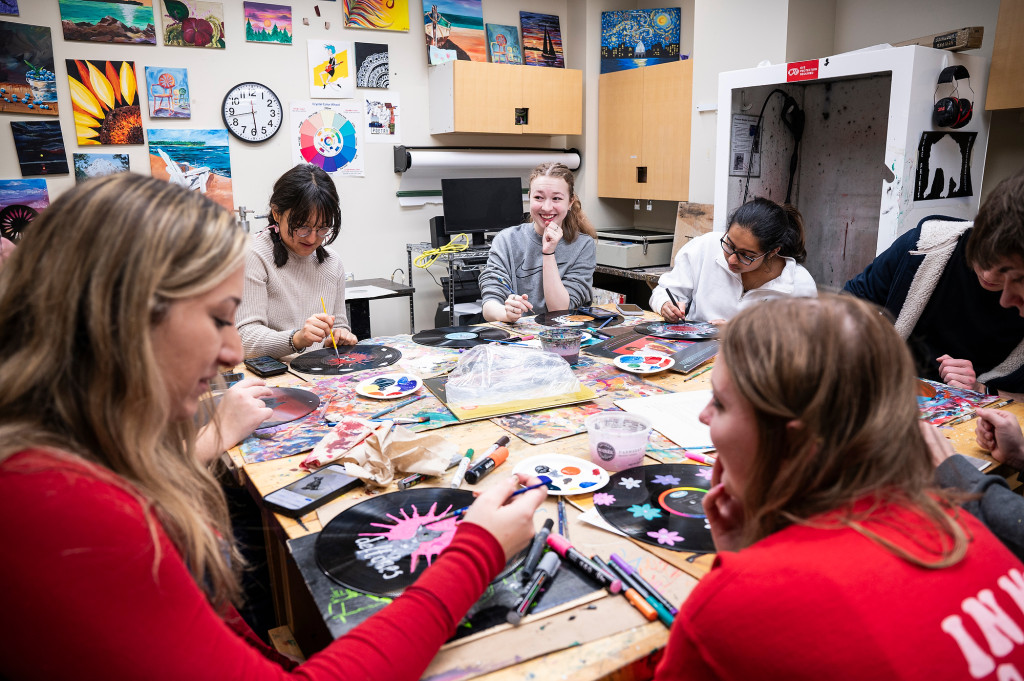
x: 674, y: 415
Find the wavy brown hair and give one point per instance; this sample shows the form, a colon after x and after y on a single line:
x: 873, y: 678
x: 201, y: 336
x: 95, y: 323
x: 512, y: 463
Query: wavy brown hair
x: 837, y: 366
x: 576, y: 221
x: 78, y: 376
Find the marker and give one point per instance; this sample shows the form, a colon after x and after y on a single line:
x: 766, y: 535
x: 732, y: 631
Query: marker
x: 536, y: 549
x: 544, y: 480
x: 500, y: 442
x: 545, y: 572
x: 397, y: 405
x: 562, y: 547
x: 596, y: 333
x: 417, y: 478
x: 631, y: 585
x: 605, y: 322
x: 672, y: 297
x: 699, y: 458
x: 460, y: 472
x: 493, y: 457
x: 639, y: 579
x: 563, y: 524
x: 602, y: 565
x: 702, y: 371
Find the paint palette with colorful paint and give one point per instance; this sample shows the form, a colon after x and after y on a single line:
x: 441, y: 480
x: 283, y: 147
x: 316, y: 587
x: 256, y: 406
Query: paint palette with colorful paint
x: 389, y: 386
x: 569, y: 474
x: 644, y: 363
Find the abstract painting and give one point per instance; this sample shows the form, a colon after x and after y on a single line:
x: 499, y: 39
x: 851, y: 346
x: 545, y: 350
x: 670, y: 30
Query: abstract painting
x: 942, y: 404
x: 386, y: 15
x: 266, y: 23
x: 28, y: 84
x: 88, y: 166
x: 542, y: 39
x: 168, y: 92
x: 113, y: 21
x: 372, y: 68
x: 196, y: 159
x: 457, y: 26
x: 191, y: 23
x: 40, y: 148
x: 639, y: 37
x: 9, y: 7
x: 20, y: 203
x: 503, y: 44
x: 106, y: 100
x: 331, y: 69
x: 383, y: 124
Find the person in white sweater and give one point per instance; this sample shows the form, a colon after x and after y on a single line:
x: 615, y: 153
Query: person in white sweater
x: 288, y: 271
x: 715, y: 276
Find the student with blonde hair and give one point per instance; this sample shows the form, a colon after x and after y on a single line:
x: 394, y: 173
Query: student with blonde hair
x: 838, y: 558
x: 548, y: 263
x: 116, y: 313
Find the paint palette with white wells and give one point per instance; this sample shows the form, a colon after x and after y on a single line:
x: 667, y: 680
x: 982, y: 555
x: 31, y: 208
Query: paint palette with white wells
x: 569, y: 474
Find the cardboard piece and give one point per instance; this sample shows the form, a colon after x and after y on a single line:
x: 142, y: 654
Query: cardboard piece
x: 967, y: 38
x: 692, y: 219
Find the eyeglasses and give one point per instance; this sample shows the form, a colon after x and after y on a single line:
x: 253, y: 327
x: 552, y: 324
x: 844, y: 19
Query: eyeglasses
x: 303, y: 232
x: 729, y: 249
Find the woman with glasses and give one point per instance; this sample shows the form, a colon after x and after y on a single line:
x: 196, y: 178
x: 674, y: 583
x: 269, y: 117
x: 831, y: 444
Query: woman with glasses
x: 288, y: 270
x: 715, y: 275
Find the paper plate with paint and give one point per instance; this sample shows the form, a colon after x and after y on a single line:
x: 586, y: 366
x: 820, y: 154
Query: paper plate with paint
x: 569, y: 474
x: 644, y: 364
x: 389, y: 386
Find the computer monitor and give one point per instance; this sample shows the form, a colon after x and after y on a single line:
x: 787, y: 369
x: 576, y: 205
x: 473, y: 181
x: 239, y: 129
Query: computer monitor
x: 481, y: 204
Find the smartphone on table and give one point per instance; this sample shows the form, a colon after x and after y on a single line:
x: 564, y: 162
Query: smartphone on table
x: 596, y: 312
x: 310, y: 492
x: 629, y: 309
x: 265, y: 366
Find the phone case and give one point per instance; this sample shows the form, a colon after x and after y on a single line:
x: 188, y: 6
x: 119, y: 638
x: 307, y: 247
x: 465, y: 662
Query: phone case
x: 316, y: 503
x: 265, y: 366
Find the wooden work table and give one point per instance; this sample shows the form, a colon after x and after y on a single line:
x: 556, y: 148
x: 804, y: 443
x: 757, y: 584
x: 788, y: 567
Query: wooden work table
x: 604, y: 635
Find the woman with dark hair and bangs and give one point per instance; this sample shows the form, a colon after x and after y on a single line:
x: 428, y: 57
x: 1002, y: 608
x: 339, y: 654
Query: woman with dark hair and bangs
x: 288, y: 270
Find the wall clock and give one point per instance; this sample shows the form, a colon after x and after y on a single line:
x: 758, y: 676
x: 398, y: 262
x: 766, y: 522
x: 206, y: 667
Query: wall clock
x: 252, y: 112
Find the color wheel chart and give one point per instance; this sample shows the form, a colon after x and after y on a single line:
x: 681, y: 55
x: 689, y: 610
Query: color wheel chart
x: 327, y: 135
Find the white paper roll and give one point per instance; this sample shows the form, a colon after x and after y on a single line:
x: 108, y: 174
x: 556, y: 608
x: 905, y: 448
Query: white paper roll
x: 422, y: 159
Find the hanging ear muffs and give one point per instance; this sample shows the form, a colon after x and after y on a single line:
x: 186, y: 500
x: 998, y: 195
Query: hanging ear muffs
x: 952, y: 111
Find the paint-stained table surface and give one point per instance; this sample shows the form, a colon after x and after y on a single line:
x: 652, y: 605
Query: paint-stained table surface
x: 615, y: 634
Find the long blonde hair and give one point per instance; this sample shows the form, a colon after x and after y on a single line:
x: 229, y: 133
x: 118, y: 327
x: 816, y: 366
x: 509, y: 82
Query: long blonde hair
x: 835, y: 365
x: 78, y: 375
x: 576, y: 221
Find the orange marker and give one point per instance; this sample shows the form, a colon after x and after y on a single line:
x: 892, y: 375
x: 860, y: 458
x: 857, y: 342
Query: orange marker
x: 638, y: 602
x: 486, y: 465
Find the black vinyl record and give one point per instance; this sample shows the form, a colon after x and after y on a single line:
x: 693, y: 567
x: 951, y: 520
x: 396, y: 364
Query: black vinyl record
x: 660, y: 505
x: 382, y: 545
x: 678, y: 330
x: 573, y: 318
x: 289, y: 404
x: 459, y: 336
x: 349, y: 359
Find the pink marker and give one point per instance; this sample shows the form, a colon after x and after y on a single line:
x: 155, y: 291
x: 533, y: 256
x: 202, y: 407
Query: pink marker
x: 563, y: 548
x: 699, y: 458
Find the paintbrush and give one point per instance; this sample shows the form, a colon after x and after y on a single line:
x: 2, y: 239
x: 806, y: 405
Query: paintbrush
x: 544, y: 480
x: 330, y: 331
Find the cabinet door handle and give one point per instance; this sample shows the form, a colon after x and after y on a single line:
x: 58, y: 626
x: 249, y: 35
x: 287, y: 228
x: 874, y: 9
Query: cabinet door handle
x: 641, y: 174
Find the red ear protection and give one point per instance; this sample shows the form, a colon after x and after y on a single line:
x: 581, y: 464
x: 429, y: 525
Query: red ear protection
x: 953, y: 111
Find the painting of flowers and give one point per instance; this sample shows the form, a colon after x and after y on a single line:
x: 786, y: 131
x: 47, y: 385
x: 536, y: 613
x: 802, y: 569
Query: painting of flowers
x: 190, y: 23
x: 105, y: 99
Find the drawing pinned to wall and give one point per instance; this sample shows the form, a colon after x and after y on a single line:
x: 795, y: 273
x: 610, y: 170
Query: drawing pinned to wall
x: 198, y: 160
x: 168, y: 92
x: 456, y: 26
x: 40, y: 148
x: 944, y: 165
x: 20, y: 203
x: 9, y: 7
x: 331, y: 74
x: 385, y: 15
x: 106, y: 99
x: 88, y: 166
x: 326, y: 134
x: 266, y: 23
x: 542, y: 39
x: 372, y: 67
x: 383, y: 124
x: 191, y: 23
x: 116, y: 21
x: 634, y: 38
x: 503, y: 44
x: 27, y: 82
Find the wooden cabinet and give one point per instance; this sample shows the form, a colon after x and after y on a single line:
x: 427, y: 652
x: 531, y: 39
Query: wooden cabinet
x: 1006, y: 76
x: 644, y: 132
x: 479, y: 97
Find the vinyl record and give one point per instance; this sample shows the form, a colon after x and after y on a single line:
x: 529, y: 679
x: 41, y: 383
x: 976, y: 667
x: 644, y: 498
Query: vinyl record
x: 289, y: 404
x: 570, y: 318
x: 660, y: 505
x: 382, y: 545
x: 678, y: 330
x: 352, y: 358
x: 459, y: 336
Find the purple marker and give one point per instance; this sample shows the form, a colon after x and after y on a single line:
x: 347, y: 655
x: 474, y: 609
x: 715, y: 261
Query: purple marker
x: 562, y: 547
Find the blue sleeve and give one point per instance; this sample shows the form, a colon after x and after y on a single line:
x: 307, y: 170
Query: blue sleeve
x: 881, y: 282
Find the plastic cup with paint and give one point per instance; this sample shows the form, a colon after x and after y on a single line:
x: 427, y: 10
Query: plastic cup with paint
x: 618, y: 439
x: 562, y: 342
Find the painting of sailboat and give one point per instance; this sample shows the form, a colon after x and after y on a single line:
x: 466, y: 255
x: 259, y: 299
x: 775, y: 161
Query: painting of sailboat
x: 542, y: 39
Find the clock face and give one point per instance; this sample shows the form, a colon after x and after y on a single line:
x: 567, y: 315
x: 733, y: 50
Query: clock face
x: 252, y: 112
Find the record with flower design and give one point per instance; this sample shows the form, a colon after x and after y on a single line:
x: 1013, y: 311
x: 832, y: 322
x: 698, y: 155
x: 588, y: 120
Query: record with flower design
x: 660, y: 505
x: 346, y: 360
x: 678, y: 330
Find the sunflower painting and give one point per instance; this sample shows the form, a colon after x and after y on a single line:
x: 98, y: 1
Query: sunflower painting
x: 191, y: 23
x: 105, y: 100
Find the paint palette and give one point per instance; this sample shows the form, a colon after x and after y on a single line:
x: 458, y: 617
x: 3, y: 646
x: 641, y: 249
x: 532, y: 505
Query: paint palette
x: 644, y: 364
x: 389, y: 386
x: 569, y: 474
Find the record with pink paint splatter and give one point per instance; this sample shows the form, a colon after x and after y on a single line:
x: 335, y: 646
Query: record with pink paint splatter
x: 660, y: 505
x: 348, y: 359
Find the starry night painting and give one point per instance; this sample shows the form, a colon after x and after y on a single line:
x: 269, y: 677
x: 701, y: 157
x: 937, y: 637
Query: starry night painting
x: 639, y: 37
x: 40, y: 148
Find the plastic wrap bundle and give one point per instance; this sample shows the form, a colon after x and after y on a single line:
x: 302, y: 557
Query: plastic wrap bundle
x: 494, y: 374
